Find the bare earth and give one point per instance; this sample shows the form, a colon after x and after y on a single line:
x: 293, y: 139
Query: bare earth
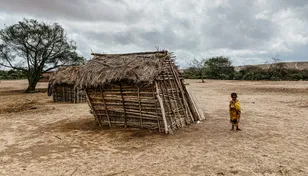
x: 39, y: 137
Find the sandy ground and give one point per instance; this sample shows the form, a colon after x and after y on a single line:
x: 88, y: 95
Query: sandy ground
x: 39, y: 137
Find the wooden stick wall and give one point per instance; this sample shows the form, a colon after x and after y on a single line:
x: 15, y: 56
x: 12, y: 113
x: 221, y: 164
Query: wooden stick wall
x: 67, y: 93
x: 163, y: 105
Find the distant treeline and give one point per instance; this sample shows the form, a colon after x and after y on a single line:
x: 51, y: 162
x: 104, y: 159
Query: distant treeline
x: 221, y: 68
x: 12, y: 74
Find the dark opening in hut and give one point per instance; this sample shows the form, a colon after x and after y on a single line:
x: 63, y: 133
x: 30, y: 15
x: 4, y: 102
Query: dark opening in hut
x: 137, y: 90
x: 63, y: 85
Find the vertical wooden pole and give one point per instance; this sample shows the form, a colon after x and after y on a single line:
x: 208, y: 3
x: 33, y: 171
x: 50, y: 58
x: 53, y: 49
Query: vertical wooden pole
x: 63, y: 93
x: 125, y: 118
x: 54, y: 94
x: 156, y: 109
x: 106, y: 109
x: 70, y: 94
x: 139, y: 107
x: 76, y: 95
x: 79, y: 99
x: 162, y: 108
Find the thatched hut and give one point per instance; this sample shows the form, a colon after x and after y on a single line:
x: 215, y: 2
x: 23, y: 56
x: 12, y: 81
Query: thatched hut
x: 141, y: 90
x: 63, y: 85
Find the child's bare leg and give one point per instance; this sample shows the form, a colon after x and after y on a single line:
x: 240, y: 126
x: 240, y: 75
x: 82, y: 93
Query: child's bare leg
x: 237, y: 128
x: 238, y: 120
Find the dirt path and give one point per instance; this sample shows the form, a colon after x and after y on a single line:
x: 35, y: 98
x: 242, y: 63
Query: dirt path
x: 62, y: 139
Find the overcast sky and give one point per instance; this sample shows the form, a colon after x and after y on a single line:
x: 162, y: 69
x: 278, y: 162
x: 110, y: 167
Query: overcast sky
x: 246, y: 31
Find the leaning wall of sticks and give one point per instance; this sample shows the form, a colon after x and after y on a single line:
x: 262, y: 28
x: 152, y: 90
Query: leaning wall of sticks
x: 162, y: 105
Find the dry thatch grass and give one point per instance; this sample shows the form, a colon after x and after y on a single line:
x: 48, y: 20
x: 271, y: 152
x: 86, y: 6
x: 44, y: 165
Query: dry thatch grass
x: 18, y: 105
x: 66, y: 75
x: 137, y: 68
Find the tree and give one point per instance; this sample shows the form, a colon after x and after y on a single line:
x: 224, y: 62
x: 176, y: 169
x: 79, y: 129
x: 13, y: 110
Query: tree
x: 35, y: 48
x: 196, y: 67
x: 277, y: 69
x: 251, y: 72
x: 219, y: 68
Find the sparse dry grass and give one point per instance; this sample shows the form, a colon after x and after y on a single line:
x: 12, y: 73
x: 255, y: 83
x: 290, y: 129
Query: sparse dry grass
x: 17, y: 105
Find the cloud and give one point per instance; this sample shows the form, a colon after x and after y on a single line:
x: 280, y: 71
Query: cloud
x: 246, y: 31
x: 79, y: 10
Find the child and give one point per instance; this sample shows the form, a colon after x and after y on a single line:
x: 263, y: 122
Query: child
x: 235, y: 111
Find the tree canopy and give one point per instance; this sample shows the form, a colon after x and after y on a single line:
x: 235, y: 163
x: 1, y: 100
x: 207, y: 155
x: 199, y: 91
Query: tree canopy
x: 219, y: 68
x: 35, y: 48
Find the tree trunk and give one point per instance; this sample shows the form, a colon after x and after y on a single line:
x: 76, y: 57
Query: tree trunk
x: 202, y: 75
x: 32, y: 84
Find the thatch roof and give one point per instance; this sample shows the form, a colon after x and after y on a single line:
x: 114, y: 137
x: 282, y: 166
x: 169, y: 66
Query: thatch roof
x: 137, y: 68
x: 66, y: 75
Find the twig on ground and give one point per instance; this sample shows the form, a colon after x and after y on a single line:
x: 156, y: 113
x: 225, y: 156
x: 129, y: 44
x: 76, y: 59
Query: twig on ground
x: 74, y: 171
x: 58, y: 137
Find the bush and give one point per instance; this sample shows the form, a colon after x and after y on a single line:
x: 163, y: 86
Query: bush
x: 297, y: 76
x: 191, y: 73
x: 221, y: 68
x: 305, y: 74
x: 225, y: 76
x: 12, y: 74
